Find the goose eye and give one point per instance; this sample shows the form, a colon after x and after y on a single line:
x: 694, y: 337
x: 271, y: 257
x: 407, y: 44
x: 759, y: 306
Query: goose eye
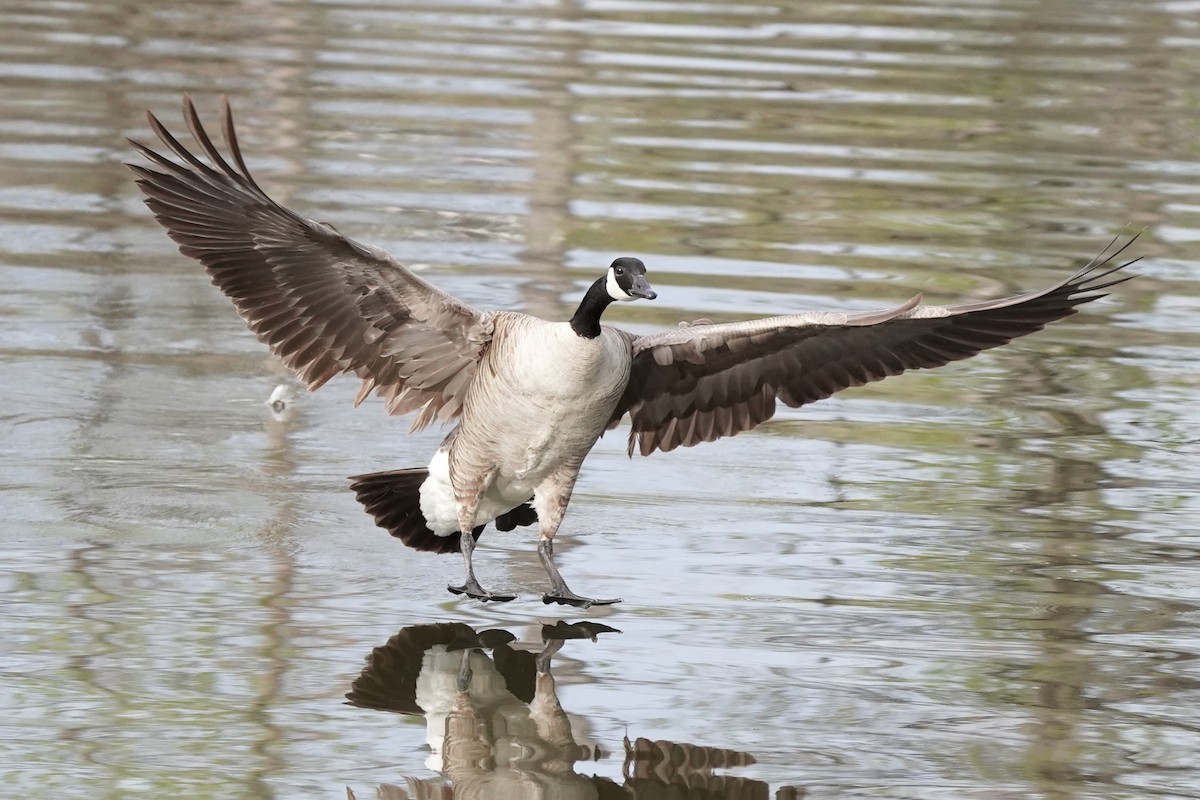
x: 619, y: 270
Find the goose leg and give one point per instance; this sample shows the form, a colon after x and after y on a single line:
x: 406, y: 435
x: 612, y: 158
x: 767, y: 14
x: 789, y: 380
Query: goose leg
x: 550, y: 500
x: 471, y: 587
x: 559, y: 591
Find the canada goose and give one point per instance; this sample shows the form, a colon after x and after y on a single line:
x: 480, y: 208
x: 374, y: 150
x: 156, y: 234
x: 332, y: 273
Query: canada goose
x: 531, y: 396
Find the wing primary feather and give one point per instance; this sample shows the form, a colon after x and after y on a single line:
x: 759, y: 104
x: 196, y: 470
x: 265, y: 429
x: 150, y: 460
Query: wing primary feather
x: 231, y: 141
x: 201, y: 136
x: 178, y: 149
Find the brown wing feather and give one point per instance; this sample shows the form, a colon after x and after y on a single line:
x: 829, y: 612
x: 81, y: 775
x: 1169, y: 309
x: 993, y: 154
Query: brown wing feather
x: 322, y: 302
x: 701, y: 382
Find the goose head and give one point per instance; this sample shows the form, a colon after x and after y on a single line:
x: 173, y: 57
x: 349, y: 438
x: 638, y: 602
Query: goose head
x: 626, y: 280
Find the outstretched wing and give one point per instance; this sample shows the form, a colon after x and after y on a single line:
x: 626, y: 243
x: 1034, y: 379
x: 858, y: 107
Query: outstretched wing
x: 324, y: 303
x: 704, y: 381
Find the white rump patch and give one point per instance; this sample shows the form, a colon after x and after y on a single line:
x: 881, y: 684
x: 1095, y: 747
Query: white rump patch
x: 440, y: 508
x: 437, y: 497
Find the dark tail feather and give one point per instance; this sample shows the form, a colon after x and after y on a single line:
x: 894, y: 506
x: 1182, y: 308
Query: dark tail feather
x: 393, y: 498
x: 521, y: 515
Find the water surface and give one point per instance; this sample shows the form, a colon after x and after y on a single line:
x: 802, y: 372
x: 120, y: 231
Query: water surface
x: 977, y: 582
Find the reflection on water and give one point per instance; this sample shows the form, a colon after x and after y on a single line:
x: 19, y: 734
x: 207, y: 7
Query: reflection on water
x: 978, y: 582
x: 496, y: 728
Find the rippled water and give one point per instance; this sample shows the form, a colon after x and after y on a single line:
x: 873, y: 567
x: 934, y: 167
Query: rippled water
x: 976, y: 582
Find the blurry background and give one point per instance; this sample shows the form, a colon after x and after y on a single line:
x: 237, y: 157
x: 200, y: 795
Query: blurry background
x: 979, y: 582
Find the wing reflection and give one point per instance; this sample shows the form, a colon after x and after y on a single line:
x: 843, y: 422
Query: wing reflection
x: 496, y: 728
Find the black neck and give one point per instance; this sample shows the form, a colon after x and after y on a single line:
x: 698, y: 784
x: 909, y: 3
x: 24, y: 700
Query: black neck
x: 586, y: 321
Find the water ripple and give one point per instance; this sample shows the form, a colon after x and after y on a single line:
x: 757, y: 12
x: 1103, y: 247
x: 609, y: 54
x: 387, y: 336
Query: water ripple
x: 993, y: 561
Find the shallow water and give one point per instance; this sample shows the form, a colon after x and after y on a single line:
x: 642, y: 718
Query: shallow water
x: 977, y: 582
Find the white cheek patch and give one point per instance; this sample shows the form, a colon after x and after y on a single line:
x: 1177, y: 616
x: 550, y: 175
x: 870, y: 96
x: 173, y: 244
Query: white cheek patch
x: 614, y: 289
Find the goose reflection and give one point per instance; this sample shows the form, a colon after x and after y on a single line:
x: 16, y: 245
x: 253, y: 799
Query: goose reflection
x: 496, y: 729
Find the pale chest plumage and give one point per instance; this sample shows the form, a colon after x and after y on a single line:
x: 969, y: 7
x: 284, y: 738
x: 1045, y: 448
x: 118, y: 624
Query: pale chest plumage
x: 541, y: 398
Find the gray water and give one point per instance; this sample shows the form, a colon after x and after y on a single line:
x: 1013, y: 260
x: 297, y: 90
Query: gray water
x: 976, y: 582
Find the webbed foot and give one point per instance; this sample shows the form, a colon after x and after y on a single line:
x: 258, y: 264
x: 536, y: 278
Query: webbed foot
x: 473, y: 590
x: 566, y: 597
